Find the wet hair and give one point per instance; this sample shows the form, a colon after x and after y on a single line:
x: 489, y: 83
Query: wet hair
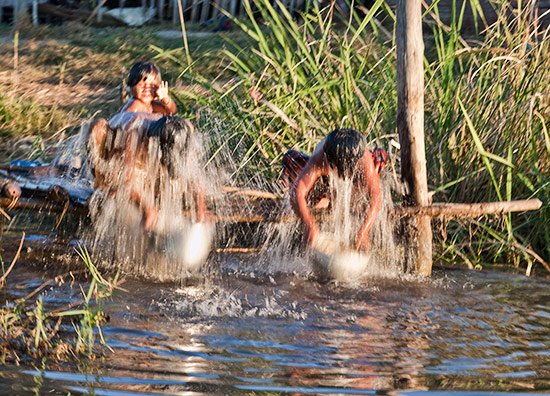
x: 140, y: 70
x: 173, y: 134
x: 343, y: 148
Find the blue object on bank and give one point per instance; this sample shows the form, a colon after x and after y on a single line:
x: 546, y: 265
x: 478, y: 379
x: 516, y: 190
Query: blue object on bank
x: 25, y: 163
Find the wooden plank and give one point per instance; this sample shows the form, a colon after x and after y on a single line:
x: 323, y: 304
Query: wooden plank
x: 410, y: 122
x: 205, y: 10
x: 461, y: 210
x: 195, y: 10
x: 448, y: 210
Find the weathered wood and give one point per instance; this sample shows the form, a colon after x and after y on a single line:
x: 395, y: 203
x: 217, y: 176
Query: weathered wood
x: 160, y: 10
x: 41, y: 205
x: 76, y: 14
x: 410, y: 122
x: 456, y: 210
x: 205, y: 10
x: 195, y: 11
x: 34, y: 13
x: 233, y: 7
x: 267, y: 214
x: 250, y: 193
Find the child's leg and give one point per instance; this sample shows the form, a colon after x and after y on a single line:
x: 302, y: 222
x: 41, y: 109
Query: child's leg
x: 150, y: 213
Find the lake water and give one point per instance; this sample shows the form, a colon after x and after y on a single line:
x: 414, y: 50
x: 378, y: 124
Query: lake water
x: 242, y: 331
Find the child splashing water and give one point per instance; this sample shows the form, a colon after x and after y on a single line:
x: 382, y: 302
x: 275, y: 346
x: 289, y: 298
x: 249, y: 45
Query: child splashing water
x: 149, y: 92
x: 147, y: 114
x: 146, y: 156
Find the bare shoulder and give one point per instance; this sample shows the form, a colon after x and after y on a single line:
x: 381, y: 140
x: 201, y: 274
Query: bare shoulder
x: 135, y: 106
x: 367, y: 161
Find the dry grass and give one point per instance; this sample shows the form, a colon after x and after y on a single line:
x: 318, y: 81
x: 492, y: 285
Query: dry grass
x: 54, y: 78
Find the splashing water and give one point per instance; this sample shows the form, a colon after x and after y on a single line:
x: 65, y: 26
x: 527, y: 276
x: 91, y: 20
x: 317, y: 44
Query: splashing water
x: 168, y: 173
x: 167, y: 176
x: 338, y: 228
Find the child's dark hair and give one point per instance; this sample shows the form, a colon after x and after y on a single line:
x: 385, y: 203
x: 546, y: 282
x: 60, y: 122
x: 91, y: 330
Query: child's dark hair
x: 343, y: 148
x: 141, y: 69
x: 172, y: 132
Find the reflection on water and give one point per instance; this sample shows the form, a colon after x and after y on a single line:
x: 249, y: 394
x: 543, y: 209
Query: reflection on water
x: 251, y: 333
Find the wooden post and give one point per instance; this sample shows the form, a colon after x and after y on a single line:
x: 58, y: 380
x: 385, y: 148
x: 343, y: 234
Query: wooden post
x: 175, y: 12
x: 195, y: 11
x: 205, y: 10
x: 160, y: 10
x: 233, y: 8
x: 410, y: 122
x: 34, y: 12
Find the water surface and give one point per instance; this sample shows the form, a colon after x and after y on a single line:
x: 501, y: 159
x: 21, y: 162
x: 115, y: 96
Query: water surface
x: 240, y: 330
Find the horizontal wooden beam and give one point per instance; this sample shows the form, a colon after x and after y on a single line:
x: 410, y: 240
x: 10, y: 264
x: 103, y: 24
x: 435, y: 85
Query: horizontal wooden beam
x: 471, y: 209
x: 452, y: 210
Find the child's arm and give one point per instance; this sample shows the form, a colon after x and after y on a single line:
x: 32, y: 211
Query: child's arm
x: 314, y: 169
x: 372, y: 181
x: 163, y: 102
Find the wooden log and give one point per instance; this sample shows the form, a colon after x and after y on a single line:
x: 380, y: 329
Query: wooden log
x: 68, y: 14
x: 268, y: 215
x: 251, y: 193
x: 456, y: 210
x: 410, y: 122
x: 41, y: 205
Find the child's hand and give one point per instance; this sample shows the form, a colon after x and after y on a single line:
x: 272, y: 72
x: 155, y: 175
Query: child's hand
x: 162, y: 92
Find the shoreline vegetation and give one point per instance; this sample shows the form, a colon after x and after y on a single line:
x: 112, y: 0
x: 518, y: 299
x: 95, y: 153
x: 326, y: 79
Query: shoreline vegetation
x: 277, y: 82
x: 32, y: 328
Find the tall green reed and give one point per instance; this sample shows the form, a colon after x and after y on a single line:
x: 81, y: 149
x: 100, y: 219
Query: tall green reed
x: 485, y: 134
